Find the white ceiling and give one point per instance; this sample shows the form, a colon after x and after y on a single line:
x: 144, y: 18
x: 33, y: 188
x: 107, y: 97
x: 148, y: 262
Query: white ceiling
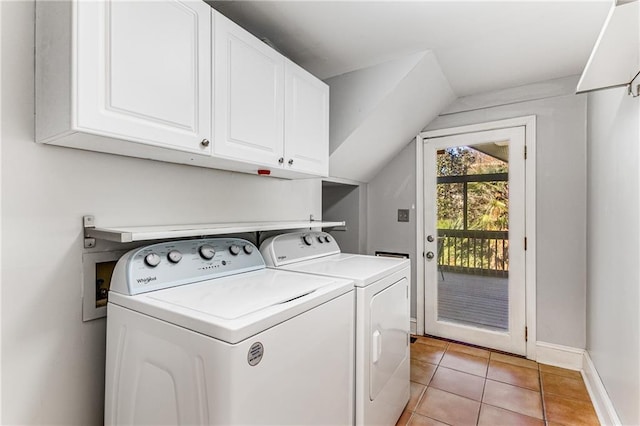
x: 480, y: 45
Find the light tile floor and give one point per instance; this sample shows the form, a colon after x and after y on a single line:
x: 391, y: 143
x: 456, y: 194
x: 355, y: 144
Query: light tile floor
x: 456, y: 384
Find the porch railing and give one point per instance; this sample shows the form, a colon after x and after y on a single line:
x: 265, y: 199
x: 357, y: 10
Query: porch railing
x: 474, y: 252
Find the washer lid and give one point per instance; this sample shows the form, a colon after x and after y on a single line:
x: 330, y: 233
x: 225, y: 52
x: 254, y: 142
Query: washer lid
x: 363, y: 269
x: 235, y: 298
x: 236, y: 307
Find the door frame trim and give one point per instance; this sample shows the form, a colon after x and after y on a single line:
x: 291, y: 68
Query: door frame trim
x: 529, y: 123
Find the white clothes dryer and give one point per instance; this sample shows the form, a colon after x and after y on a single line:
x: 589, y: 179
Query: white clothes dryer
x: 201, y: 332
x: 382, y: 316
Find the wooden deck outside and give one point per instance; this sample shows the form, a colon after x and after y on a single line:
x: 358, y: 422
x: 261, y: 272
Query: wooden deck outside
x: 474, y: 300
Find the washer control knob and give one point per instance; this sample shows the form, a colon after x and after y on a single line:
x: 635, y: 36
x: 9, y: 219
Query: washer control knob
x: 307, y: 240
x: 327, y: 238
x: 174, y: 256
x: 207, y: 252
x: 320, y: 239
x: 248, y: 248
x: 152, y: 260
x: 234, y: 249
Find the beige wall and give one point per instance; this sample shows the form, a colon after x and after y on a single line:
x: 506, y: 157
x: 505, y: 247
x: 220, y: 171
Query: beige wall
x: 53, y: 363
x: 560, y: 209
x: 613, y: 250
x: 561, y: 199
x: 346, y: 203
x: 392, y: 189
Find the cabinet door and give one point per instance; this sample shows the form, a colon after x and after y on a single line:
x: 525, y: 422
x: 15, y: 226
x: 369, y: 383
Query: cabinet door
x: 306, y: 122
x: 144, y: 71
x: 249, y: 96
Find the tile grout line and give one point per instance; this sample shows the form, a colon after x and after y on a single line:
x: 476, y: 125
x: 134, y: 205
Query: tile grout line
x: 515, y: 412
x: 484, y: 386
x: 514, y: 385
x: 542, y: 401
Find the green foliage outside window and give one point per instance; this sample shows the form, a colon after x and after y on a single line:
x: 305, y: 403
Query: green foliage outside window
x: 487, y: 209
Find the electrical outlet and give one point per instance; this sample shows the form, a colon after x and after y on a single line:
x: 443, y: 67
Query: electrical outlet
x: 97, y: 270
x: 403, y: 215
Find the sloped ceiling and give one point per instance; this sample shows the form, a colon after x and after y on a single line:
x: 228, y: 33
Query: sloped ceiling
x: 376, y: 111
x: 393, y: 66
x: 356, y: 94
x: 481, y: 45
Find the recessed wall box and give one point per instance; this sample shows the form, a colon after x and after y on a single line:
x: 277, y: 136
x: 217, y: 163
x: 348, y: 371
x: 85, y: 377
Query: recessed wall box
x: 96, y: 277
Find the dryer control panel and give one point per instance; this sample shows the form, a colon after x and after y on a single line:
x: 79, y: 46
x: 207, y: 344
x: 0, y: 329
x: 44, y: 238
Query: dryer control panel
x: 175, y: 263
x: 297, y: 246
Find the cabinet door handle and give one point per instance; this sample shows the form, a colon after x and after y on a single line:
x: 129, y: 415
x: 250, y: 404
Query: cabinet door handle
x: 291, y: 162
x: 205, y: 143
x: 281, y: 160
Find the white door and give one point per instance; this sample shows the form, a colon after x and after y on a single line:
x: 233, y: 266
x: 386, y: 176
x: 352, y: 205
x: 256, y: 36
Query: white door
x: 475, y: 238
x: 144, y: 71
x: 306, y: 122
x: 248, y: 96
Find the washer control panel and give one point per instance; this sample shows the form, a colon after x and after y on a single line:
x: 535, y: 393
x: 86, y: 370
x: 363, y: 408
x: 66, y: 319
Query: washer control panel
x: 297, y: 246
x: 175, y: 263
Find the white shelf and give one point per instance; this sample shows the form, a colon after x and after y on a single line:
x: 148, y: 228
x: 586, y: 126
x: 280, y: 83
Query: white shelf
x: 147, y: 233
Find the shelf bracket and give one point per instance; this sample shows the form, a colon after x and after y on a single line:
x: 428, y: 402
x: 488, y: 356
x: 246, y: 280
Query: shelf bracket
x: 630, y: 87
x: 88, y: 222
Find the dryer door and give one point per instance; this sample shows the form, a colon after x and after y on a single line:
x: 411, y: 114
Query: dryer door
x: 389, y: 334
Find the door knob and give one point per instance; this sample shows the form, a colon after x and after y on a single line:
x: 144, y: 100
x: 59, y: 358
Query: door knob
x: 430, y: 255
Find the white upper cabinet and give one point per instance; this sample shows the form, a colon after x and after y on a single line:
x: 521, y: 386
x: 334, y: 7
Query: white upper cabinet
x: 175, y: 81
x: 134, y: 71
x: 268, y: 110
x: 306, y: 122
x: 248, y: 96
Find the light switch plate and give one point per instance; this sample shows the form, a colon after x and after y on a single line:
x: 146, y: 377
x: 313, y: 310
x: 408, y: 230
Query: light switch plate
x: 403, y: 215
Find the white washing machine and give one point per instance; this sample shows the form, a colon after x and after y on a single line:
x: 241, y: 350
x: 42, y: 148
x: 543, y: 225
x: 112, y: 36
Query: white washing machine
x: 201, y: 332
x: 382, y: 316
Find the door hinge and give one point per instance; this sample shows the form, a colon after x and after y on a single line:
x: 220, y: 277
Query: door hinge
x: 526, y: 334
x: 525, y: 243
x: 525, y: 152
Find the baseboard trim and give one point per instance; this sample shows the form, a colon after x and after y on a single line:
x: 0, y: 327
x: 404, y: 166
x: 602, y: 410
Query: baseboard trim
x: 413, y: 326
x: 559, y: 355
x: 579, y: 359
x: 599, y: 396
